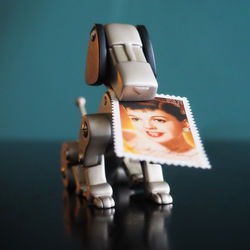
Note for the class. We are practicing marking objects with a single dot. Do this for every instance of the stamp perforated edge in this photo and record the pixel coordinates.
(118, 140)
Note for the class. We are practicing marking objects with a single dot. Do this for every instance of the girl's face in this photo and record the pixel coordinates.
(157, 125)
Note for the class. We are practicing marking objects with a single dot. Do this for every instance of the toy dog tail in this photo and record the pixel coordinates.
(80, 103)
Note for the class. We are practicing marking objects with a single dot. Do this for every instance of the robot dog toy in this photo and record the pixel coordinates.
(121, 57)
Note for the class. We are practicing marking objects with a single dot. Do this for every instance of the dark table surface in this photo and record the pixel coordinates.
(211, 208)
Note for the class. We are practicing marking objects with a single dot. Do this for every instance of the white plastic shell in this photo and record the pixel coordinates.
(132, 77)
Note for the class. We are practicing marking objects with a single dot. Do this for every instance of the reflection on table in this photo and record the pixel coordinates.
(134, 224)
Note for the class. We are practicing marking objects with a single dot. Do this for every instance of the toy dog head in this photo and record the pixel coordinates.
(121, 57)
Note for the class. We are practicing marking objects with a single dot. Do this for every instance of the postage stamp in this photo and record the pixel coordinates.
(161, 130)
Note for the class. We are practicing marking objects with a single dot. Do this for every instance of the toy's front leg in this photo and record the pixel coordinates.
(155, 186)
(95, 136)
(98, 191)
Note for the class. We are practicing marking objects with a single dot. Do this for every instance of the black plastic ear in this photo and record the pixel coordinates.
(147, 46)
(96, 64)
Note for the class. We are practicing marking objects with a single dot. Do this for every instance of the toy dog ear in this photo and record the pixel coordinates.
(96, 64)
(147, 46)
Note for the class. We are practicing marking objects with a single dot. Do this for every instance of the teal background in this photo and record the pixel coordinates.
(201, 50)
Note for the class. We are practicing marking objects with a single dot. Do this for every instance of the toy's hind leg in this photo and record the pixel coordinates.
(72, 171)
(95, 136)
(155, 186)
(134, 172)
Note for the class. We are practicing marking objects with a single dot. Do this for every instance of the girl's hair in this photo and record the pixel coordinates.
(157, 104)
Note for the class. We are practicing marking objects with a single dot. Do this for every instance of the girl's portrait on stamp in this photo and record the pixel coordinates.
(158, 128)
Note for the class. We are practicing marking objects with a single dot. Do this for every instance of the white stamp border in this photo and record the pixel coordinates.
(118, 139)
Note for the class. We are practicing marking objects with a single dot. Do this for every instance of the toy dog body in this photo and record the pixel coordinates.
(121, 57)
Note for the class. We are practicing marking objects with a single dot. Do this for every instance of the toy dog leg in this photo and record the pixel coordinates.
(155, 186)
(69, 163)
(98, 190)
(134, 172)
(95, 135)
